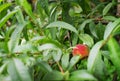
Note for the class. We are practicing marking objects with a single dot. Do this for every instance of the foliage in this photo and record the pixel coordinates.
(37, 38)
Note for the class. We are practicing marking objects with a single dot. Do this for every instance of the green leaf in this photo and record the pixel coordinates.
(4, 19)
(74, 39)
(92, 29)
(75, 9)
(14, 39)
(44, 66)
(85, 38)
(110, 27)
(114, 49)
(107, 8)
(44, 4)
(1, 1)
(4, 6)
(99, 68)
(43, 39)
(73, 61)
(27, 7)
(46, 46)
(57, 55)
(110, 18)
(3, 47)
(62, 25)
(93, 55)
(25, 48)
(18, 71)
(19, 15)
(82, 75)
(65, 61)
(100, 28)
(2, 68)
(54, 75)
(82, 26)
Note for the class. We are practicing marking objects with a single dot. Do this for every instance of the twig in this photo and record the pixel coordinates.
(61, 69)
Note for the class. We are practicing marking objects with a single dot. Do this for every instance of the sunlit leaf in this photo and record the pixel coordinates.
(65, 61)
(25, 48)
(18, 71)
(85, 38)
(73, 61)
(16, 36)
(19, 15)
(57, 55)
(110, 27)
(46, 46)
(82, 75)
(4, 6)
(62, 25)
(93, 56)
(27, 7)
(4, 19)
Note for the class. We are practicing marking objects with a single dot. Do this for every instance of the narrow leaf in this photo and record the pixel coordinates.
(54, 76)
(46, 46)
(4, 6)
(57, 55)
(85, 38)
(82, 26)
(110, 18)
(110, 27)
(27, 7)
(93, 55)
(114, 49)
(16, 36)
(92, 29)
(44, 66)
(107, 8)
(65, 61)
(82, 75)
(73, 61)
(4, 19)
(18, 71)
(62, 25)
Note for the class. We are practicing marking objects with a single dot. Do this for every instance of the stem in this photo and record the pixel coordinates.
(60, 67)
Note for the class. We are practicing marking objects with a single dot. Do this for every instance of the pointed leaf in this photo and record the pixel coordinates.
(18, 71)
(54, 76)
(4, 19)
(73, 61)
(93, 55)
(4, 6)
(62, 25)
(114, 49)
(65, 61)
(107, 8)
(85, 38)
(82, 26)
(14, 40)
(44, 66)
(82, 75)
(110, 27)
(47, 46)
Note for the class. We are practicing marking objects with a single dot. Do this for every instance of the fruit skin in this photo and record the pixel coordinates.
(81, 50)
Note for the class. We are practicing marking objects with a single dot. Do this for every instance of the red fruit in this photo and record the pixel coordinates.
(81, 50)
